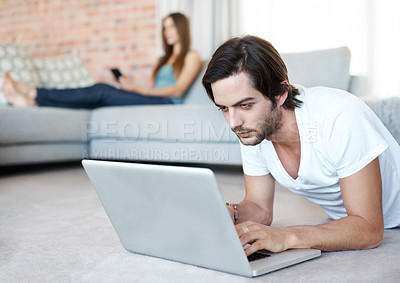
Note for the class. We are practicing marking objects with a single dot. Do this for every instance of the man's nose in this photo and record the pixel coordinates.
(235, 119)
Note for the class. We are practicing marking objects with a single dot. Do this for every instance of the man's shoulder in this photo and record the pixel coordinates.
(322, 94)
(327, 100)
(326, 108)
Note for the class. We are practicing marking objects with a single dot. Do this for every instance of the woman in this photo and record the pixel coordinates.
(172, 76)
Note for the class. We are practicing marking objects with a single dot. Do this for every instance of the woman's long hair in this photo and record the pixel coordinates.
(183, 27)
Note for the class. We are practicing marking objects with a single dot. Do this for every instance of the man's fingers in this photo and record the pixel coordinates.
(245, 227)
(253, 234)
(251, 237)
(256, 246)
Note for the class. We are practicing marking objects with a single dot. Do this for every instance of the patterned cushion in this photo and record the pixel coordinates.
(16, 60)
(67, 71)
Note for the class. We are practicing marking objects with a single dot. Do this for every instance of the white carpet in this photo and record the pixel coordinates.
(54, 229)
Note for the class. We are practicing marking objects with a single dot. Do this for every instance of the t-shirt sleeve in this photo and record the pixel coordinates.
(353, 140)
(252, 161)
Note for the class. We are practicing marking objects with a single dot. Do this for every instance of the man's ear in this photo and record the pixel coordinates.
(283, 96)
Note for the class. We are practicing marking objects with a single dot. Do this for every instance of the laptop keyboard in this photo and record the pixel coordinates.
(257, 255)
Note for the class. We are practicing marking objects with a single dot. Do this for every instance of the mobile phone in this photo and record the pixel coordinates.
(117, 74)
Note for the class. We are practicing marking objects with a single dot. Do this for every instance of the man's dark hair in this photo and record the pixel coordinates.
(258, 59)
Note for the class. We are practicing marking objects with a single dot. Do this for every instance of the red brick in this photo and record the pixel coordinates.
(104, 32)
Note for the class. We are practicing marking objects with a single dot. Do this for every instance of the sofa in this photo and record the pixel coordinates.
(193, 132)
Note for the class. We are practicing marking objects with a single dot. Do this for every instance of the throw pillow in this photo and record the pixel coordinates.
(66, 71)
(16, 60)
(329, 67)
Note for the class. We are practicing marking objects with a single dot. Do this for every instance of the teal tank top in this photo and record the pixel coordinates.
(165, 77)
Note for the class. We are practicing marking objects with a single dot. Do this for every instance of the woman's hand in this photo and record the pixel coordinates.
(126, 84)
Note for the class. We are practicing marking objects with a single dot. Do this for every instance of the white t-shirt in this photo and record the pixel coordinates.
(339, 136)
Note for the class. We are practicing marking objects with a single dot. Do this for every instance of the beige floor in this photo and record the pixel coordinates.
(53, 228)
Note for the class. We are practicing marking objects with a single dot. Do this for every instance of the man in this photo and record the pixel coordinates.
(320, 142)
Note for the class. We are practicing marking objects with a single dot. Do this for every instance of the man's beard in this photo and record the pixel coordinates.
(270, 126)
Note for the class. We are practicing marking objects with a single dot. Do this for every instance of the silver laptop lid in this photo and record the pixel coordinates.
(171, 212)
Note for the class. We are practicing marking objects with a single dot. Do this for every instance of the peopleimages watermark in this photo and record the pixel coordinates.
(184, 131)
(161, 154)
(188, 131)
(308, 132)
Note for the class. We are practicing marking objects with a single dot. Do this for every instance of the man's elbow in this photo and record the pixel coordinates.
(374, 238)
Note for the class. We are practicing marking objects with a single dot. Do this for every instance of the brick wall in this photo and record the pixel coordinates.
(105, 33)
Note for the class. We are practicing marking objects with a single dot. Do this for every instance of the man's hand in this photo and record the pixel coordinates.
(361, 229)
(261, 237)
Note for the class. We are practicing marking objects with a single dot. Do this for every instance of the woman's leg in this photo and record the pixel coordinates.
(115, 97)
(98, 95)
(86, 97)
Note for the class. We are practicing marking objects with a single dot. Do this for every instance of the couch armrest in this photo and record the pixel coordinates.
(387, 109)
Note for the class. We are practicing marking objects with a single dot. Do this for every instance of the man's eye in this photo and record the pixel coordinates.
(223, 109)
(245, 106)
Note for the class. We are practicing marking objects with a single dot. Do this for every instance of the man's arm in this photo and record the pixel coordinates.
(259, 199)
(361, 229)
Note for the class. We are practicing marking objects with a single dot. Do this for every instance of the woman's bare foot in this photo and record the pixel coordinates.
(17, 93)
(24, 88)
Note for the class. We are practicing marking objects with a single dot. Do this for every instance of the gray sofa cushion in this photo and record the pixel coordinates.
(171, 123)
(196, 94)
(34, 153)
(42, 124)
(328, 68)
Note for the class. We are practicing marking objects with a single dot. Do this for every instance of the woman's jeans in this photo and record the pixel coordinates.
(98, 95)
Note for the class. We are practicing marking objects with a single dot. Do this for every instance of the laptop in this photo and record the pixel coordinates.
(177, 213)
